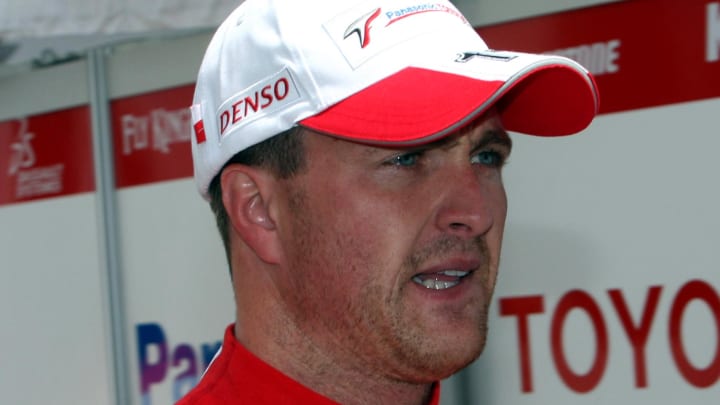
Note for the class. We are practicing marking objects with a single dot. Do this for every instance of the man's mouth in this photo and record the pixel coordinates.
(441, 280)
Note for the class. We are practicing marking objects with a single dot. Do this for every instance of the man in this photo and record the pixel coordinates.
(352, 152)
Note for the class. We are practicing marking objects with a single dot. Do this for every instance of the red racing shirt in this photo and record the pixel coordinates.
(237, 376)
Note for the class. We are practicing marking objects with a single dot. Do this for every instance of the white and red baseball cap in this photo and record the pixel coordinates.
(386, 72)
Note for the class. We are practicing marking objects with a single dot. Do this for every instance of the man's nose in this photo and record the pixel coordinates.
(473, 201)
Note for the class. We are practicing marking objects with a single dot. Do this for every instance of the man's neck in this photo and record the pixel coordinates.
(300, 358)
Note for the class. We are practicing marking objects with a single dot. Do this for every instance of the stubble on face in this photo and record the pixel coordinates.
(420, 347)
(365, 322)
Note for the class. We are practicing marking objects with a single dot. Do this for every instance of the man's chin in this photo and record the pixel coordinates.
(440, 364)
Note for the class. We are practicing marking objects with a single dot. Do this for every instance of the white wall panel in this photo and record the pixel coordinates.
(53, 331)
(630, 204)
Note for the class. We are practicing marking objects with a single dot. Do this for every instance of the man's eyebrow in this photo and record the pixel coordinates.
(491, 136)
(495, 136)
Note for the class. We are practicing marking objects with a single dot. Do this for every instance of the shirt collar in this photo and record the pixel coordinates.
(237, 369)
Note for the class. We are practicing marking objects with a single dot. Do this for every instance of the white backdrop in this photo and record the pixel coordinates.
(54, 343)
(628, 205)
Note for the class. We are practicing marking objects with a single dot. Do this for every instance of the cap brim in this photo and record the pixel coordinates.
(551, 98)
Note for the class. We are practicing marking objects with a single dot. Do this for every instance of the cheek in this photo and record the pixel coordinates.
(339, 245)
(374, 241)
(343, 271)
(369, 222)
(500, 211)
(495, 236)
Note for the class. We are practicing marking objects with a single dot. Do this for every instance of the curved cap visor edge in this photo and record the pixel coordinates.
(418, 105)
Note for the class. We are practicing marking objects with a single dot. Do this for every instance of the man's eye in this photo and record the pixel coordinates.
(406, 159)
(488, 158)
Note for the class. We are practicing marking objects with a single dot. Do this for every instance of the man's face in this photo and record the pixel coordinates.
(391, 255)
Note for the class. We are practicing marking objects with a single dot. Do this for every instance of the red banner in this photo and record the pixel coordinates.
(643, 53)
(151, 135)
(46, 155)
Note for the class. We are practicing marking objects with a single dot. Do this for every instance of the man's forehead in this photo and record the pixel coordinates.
(484, 130)
(488, 129)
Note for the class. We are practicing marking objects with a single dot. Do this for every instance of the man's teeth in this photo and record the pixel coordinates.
(433, 282)
(438, 284)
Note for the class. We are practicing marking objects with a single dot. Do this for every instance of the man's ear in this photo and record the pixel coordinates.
(247, 193)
